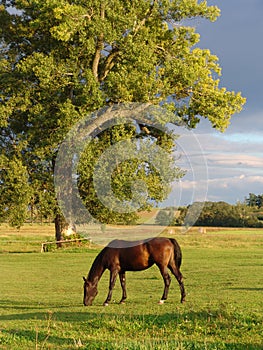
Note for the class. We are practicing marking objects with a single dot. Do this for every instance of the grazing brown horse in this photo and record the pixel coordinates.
(120, 256)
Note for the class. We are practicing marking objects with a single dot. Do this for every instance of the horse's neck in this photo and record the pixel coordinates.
(96, 270)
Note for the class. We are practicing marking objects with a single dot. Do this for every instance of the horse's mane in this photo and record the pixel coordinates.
(97, 267)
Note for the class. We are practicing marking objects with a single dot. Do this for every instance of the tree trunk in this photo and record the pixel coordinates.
(58, 229)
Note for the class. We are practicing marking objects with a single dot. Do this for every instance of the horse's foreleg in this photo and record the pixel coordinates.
(176, 272)
(123, 286)
(167, 281)
(113, 276)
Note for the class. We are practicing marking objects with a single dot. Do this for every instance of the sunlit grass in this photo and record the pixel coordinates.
(41, 299)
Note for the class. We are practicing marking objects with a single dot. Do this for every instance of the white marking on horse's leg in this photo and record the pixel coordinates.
(161, 302)
(105, 304)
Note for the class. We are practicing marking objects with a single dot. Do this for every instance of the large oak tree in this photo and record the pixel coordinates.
(61, 60)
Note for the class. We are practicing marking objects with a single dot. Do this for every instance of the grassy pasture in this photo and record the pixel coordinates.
(41, 296)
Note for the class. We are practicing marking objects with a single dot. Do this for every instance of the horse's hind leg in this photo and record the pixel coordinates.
(123, 286)
(176, 272)
(167, 281)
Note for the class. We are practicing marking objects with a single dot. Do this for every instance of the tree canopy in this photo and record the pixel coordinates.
(61, 60)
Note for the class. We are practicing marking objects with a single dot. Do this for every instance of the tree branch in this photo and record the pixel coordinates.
(142, 22)
(109, 63)
(99, 47)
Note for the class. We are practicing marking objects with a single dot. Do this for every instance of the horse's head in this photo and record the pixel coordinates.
(90, 292)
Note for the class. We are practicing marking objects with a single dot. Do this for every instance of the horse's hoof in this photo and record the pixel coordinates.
(160, 302)
(105, 304)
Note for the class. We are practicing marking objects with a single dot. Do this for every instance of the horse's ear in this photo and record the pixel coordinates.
(84, 279)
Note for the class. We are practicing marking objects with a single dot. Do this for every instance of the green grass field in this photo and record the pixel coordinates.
(41, 296)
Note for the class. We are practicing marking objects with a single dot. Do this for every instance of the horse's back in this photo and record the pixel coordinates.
(129, 255)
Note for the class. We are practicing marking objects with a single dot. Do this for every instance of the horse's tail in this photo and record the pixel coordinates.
(177, 253)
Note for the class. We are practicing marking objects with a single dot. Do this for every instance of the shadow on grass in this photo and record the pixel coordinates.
(210, 323)
(83, 312)
(15, 336)
(91, 314)
(17, 305)
(247, 289)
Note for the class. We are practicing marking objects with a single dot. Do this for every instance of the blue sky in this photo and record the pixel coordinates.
(234, 159)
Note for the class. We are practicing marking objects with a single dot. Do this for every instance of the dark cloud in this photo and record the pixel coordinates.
(236, 39)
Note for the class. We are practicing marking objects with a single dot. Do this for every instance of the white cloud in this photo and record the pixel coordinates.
(255, 179)
(229, 189)
(235, 188)
(235, 160)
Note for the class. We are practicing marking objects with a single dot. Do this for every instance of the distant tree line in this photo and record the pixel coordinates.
(220, 214)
